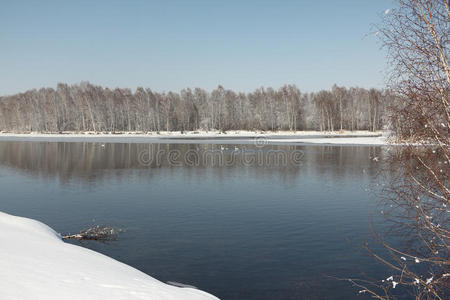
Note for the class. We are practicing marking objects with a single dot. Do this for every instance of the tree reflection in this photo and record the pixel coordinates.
(81, 161)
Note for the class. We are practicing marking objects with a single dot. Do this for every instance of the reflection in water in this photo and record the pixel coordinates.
(81, 161)
(239, 230)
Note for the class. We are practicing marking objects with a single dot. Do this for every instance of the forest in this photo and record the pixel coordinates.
(87, 107)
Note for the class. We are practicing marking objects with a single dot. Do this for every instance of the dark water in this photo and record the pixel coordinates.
(276, 227)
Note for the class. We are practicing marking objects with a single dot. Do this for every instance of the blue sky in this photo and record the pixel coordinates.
(170, 45)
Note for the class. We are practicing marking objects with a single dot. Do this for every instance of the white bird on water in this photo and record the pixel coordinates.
(236, 148)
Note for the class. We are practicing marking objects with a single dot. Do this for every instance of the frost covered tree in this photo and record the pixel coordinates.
(87, 107)
(417, 199)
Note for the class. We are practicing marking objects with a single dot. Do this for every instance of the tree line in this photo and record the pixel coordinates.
(88, 107)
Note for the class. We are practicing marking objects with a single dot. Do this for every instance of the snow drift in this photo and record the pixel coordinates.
(36, 264)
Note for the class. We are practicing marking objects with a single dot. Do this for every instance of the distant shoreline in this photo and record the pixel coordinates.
(210, 137)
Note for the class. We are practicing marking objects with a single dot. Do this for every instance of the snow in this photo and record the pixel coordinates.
(212, 137)
(369, 141)
(36, 264)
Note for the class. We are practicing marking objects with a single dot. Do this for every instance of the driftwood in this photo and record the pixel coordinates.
(96, 233)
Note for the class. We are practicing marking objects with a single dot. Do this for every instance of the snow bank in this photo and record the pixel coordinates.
(374, 140)
(211, 137)
(199, 134)
(36, 264)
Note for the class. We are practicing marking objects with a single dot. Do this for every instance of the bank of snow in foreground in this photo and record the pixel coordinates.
(36, 264)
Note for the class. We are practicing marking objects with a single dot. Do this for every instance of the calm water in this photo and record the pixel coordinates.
(232, 226)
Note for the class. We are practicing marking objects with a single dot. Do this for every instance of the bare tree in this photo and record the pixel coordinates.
(86, 107)
(418, 196)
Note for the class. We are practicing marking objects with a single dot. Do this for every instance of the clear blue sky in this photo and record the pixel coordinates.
(170, 45)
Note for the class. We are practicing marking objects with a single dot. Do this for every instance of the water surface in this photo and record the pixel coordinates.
(237, 228)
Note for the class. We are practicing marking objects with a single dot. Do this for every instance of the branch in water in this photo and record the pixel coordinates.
(96, 233)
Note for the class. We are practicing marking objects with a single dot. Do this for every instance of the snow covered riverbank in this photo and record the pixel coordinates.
(231, 137)
(36, 264)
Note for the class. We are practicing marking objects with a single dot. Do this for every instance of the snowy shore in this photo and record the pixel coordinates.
(212, 137)
(36, 264)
